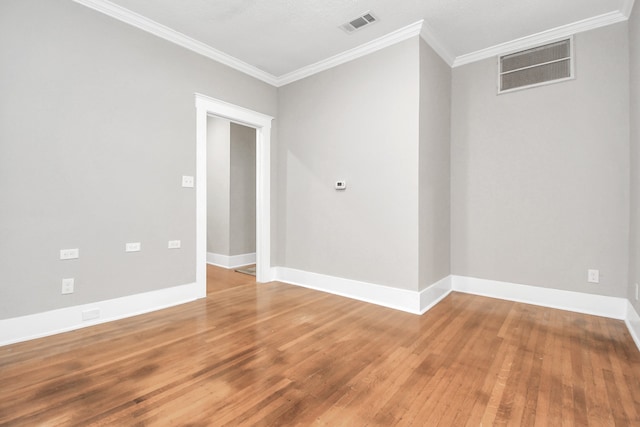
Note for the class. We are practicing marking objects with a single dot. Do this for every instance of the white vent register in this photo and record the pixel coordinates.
(541, 65)
(359, 22)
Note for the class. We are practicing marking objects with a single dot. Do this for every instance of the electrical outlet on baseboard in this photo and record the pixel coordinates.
(93, 313)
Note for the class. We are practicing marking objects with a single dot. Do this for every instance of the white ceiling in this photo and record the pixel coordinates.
(279, 37)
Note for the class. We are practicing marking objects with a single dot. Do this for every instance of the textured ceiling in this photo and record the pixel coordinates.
(281, 36)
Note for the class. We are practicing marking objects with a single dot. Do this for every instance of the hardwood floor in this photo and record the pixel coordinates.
(275, 354)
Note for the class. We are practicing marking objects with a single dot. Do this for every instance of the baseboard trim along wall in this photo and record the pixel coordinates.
(233, 261)
(421, 302)
(433, 294)
(53, 322)
(400, 299)
(39, 325)
(633, 324)
(597, 305)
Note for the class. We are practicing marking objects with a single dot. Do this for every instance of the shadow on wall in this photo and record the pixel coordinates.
(231, 193)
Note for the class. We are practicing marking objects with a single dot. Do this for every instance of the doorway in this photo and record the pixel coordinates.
(231, 194)
(206, 106)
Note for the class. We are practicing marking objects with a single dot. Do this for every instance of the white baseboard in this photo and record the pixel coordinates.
(52, 322)
(579, 302)
(386, 296)
(421, 302)
(233, 261)
(39, 325)
(633, 324)
(435, 293)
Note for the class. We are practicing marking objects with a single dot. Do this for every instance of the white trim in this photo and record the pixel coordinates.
(380, 43)
(233, 261)
(262, 123)
(164, 32)
(541, 38)
(435, 293)
(597, 305)
(47, 323)
(400, 299)
(633, 323)
(132, 18)
(429, 36)
(125, 15)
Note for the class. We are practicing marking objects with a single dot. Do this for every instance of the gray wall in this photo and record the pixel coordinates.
(356, 122)
(231, 188)
(634, 49)
(242, 203)
(97, 126)
(218, 185)
(434, 167)
(540, 177)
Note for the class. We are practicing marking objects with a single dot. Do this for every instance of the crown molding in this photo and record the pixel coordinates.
(429, 36)
(146, 24)
(541, 38)
(127, 16)
(418, 28)
(627, 7)
(351, 54)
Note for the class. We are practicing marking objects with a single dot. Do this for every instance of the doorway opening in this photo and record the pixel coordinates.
(205, 107)
(231, 195)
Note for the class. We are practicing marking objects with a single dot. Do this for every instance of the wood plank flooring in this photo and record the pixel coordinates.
(275, 354)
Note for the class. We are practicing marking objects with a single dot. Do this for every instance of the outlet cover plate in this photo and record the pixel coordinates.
(188, 181)
(132, 247)
(341, 185)
(67, 286)
(91, 314)
(69, 253)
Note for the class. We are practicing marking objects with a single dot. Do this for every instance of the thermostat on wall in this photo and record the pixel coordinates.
(341, 185)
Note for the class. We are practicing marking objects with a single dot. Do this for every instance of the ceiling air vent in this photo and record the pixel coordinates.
(550, 63)
(359, 22)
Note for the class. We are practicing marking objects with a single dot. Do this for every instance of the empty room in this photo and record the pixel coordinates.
(440, 218)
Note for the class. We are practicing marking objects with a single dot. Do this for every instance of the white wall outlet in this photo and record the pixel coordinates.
(341, 185)
(132, 247)
(636, 292)
(67, 286)
(593, 276)
(91, 314)
(188, 181)
(174, 244)
(69, 253)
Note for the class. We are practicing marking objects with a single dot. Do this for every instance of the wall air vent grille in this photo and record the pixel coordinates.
(359, 22)
(550, 63)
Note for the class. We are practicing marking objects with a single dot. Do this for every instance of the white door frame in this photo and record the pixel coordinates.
(206, 106)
